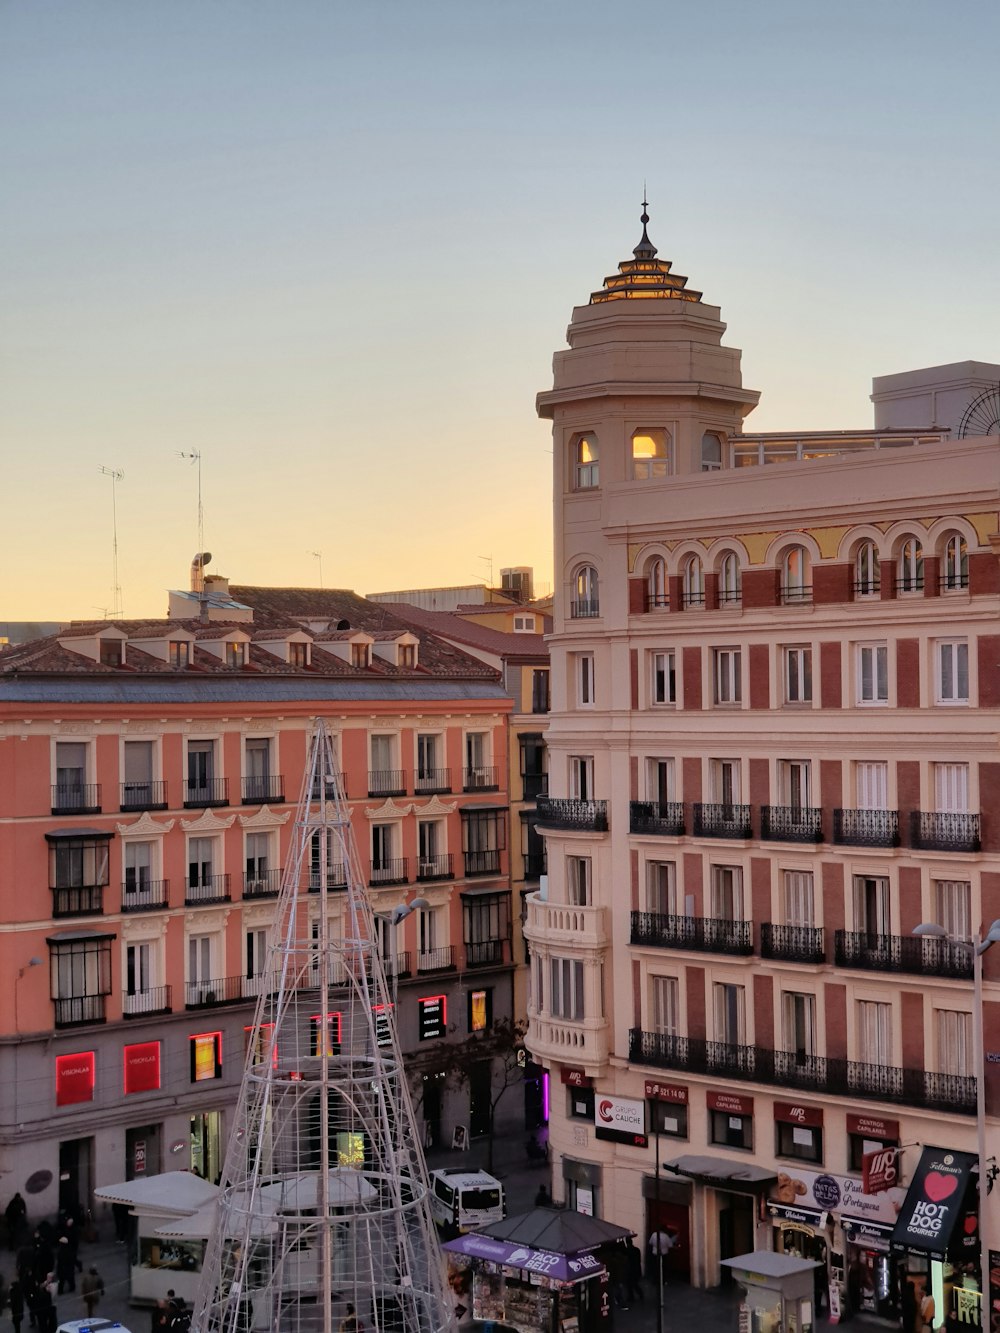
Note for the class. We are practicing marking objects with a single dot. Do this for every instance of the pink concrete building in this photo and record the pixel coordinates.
(772, 754)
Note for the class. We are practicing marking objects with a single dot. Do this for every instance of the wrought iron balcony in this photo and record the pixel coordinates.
(436, 960)
(482, 863)
(76, 798)
(487, 953)
(260, 790)
(205, 795)
(866, 828)
(262, 884)
(906, 582)
(944, 831)
(435, 867)
(867, 587)
(206, 889)
(432, 780)
(703, 934)
(336, 783)
(215, 991)
(663, 817)
(656, 601)
(929, 954)
(154, 1000)
(145, 895)
(534, 785)
(791, 823)
(795, 594)
(667, 1051)
(399, 965)
(79, 900)
(389, 870)
(692, 597)
(336, 877)
(586, 608)
(76, 1010)
(792, 944)
(722, 821)
(798, 1069)
(953, 580)
(386, 782)
(484, 777)
(563, 813)
(143, 796)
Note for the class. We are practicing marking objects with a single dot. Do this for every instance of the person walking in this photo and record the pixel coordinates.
(543, 1199)
(634, 1256)
(65, 1266)
(15, 1298)
(350, 1322)
(16, 1215)
(92, 1289)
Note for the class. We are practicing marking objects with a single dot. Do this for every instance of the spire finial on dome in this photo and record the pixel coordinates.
(645, 249)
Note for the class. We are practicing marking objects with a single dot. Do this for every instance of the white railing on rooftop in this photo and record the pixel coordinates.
(754, 450)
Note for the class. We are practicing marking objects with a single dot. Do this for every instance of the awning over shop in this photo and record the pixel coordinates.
(870, 1235)
(933, 1202)
(720, 1171)
(563, 1267)
(172, 1193)
(558, 1244)
(810, 1217)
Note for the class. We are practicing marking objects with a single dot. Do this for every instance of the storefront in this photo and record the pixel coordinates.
(725, 1203)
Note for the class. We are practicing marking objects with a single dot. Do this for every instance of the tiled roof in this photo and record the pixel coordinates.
(501, 643)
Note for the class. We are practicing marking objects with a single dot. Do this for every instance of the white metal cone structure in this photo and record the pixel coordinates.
(324, 1210)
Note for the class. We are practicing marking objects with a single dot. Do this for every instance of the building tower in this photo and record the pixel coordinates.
(325, 1208)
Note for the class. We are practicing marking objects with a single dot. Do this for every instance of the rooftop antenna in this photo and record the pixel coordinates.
(116, 474)
(318, 555)
(488, 559)
(194, 456)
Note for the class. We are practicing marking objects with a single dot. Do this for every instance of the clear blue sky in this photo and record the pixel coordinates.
(333, 246)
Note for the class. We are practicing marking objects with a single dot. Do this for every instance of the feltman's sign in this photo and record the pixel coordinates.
(933, 1202)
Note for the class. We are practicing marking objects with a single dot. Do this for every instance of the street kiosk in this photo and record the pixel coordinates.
(779, 1292)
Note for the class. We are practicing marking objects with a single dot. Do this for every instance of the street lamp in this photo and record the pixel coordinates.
(978, 947)
(399, 913)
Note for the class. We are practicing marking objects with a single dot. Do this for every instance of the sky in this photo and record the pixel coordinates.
(331, 247)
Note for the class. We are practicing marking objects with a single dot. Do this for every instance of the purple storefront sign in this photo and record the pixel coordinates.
(562, 1267)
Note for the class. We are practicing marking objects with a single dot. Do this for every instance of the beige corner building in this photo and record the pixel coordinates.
(774, 750)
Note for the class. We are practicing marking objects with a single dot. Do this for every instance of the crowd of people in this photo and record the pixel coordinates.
(47, 1265)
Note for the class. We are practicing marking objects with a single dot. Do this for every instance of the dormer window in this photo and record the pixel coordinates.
(236, 656)
(524, 624)
(361, 654)
(112, 652)
(407, 655)
(179, 651)
(298, 655)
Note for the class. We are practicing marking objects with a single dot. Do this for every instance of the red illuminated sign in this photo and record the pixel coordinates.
(206, 1056)
(142, 1067)
(75, 1078)
(433, 1011)
(730, 1102)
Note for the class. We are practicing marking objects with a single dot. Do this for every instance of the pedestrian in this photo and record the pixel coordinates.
(634, 1257)
(661, 1242)
(618, 1267)
(16, 1214)
(120, 1213)
(15, 1298)
(350, 1322)
(65, 1266)
(543, 1199)
(92, 1289)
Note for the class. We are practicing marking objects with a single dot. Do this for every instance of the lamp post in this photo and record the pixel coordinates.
(979, 947)
(399, 913)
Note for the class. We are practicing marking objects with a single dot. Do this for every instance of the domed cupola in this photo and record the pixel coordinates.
(645, 277)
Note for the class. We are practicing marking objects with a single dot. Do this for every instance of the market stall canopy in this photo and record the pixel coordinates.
(202, 1224)
(172, 1193)
(716, 1170)
(557, 1244)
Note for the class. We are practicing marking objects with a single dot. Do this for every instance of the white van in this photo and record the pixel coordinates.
(466, 1199)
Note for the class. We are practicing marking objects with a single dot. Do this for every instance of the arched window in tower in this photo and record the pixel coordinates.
(657, 588)
(910, 574)
(711, 452)
(955, 565)
(795, 585)
(867, 572)
(586, 602)
(586, 455)
(730, 580)
(650, 454)
(693, 582)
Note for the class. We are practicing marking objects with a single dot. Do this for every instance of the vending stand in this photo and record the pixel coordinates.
(779, 1292)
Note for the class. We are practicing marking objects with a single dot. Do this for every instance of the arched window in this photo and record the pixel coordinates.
(867, 574)
(657, 589)
(693, 582)
(795, 585)
(650, 454)
(587, 459)
(711, 452)
(955, 565)
(730, 580)
(586, 594)
(910, 574)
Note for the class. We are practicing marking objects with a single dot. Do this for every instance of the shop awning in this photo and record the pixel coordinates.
(172, 1193)
(869, 1235)
(720, 1171)
(810, 1217)
(78, 834)
(559, 1243)
(933, 1202)
(563, 1267)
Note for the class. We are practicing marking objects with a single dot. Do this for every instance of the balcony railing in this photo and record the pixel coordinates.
(656, 601)
(562, 812)
(487, 953)
(435, 867)
(391, 870)
(336, 877)
(143, 796)
(791, 823)
(215, 991)
(692, 597)
(534, 785)
(928, 954)
(664, 817)
(483, 862)
(795, 1069)
(386, 782)
(722, 821)
(75, 1010)
(155, 1000)
(484, 777)
(867, 587)
(400, 965)
(260, 790)
(944, 831)
(204, 795)
(534, 865)
(82, 900)
(206, 889)
(145, 895)
(76, 798)
(866, 828)
(432, 780)
(953, 581)
(792, 944)
(700, 933)
(585, 608)
(262, 884)
(436, 960)
(335, 783)
(794, 594)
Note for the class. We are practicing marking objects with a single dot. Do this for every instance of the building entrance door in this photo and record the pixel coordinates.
(206, 1145)
(76, 1176)
(735, 1227)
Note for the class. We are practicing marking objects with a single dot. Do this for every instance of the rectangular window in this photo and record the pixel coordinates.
(799, 908)
(727, 893)
(858, 1145)
(481, 1009)
(487, 923)
(139, 978)
(661, 888)
(798, 1021)
(873, 673)
(871, 782)
(578, 880)
(484, 837)
(200, 769)
(566, 978)
(137, 774)
(731, 1131)
(951, 788)
(660, 780)
(668, 1118)
(730, 1013)
(871, 904)
(798, 676)
(726, 781)
(953, 672)
(664, 1000)
(953, 907)
(81, 978)
(581, 777)
(580, 1104)
(585, 665)
(804, 1142)
(793, 782)
(954, 1042)
(257, 857)
(540, 690)
(138, 866)
(728, 675)
(874, 1033)
(534, 778)
(298, 655)
(201, 855)
(664, 677)
(179, 654)
(236, 655)
(256, 952)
